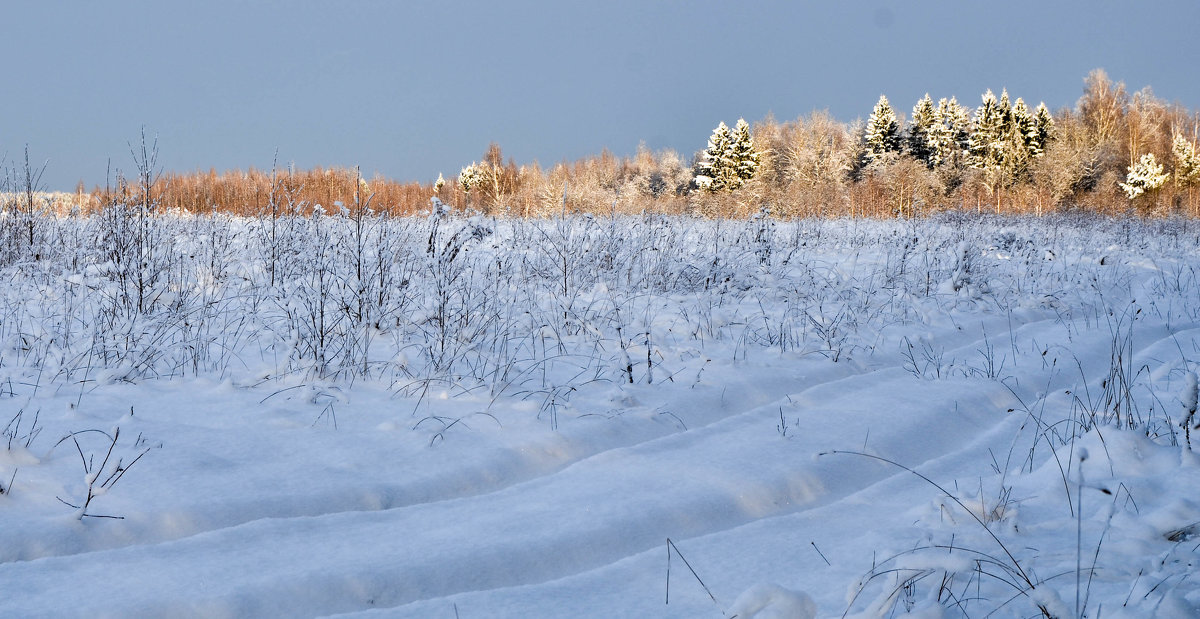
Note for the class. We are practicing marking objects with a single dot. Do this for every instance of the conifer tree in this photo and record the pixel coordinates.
(949, 135)
(940, 138)
(1024, 128)
(958, 117)
(1004, 106)
(730, 159)
(1022, 144)
(745, 158)
(1043, 124)
(986, 143)
(989, 144)
(1187, 162)
(710, 174)
(920, 129)
(1144, 176)
(882, 134)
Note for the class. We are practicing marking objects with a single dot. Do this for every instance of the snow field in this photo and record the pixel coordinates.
(470, 417)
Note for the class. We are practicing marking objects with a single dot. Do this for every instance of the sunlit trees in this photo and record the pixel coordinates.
(1144, 176)
(1187, 163)
(730, 159)
(881, 138)
(1004, 153)
(988, 142)
(924, 132)
(745, 157)
(949, 137)
(492, 181)
(1043, 124)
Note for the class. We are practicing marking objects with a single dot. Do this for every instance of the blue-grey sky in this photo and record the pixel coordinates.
(409, 89)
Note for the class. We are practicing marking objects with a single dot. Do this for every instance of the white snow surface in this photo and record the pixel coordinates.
(533, 418)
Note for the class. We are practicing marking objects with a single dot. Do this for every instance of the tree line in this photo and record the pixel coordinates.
(1113, 152)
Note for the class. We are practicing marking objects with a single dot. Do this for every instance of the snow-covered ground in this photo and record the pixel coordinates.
(636, 417)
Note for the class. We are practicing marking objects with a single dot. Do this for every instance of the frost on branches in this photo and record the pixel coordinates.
(1145, 175)
(730, 159)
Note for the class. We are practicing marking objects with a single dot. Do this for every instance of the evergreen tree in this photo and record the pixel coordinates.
(1144, 176)
(949, 135)
(940, 138)
(986, 143)
(1022, 144)
(1187, 162)
(745, 158)
(959, 119)
(1043, 124)
(1004, 106)
(920, 129)
(712, 171)
(730, 159)
(882, 134)
(1024, 127)
(472, 177)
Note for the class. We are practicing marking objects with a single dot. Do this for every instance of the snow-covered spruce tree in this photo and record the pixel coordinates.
(882, 134)
(1187, 163)
(989, 142)
(472, 177)
(1144, 176)
(730, 159)
(1004, 106)
(1022, 141)
(1043, 124)
(745, 157)
(986, 141)
(712, 162)
(958, 117)
(474, 181)
(949, 136)
(921, 131)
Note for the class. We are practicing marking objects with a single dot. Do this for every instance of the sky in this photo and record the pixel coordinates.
(411, 89)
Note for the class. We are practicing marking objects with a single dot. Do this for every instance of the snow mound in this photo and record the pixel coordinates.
(771, 601)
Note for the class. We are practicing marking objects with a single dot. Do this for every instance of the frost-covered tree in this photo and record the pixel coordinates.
(949, 137)
(882, 134)
(730, 159)
(473, 177)
(745, 157)
(986, 144)
(958, 117)
(920, 129)
(1043, 124)
(939, 140)
(1004, 106)
(715, 167)
(1024, 127)
(1144, 176)
(1187, 163)
(1022, 146)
